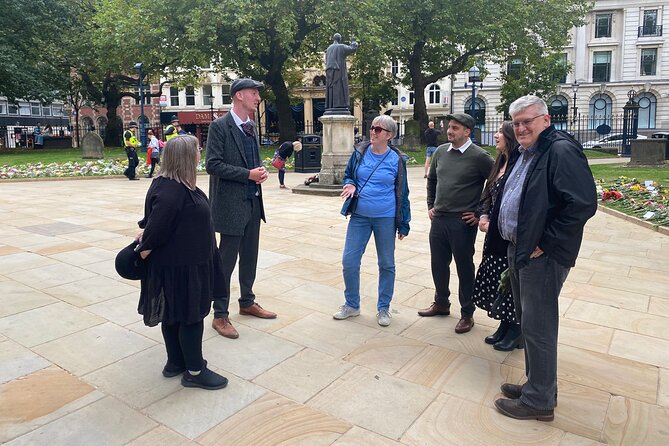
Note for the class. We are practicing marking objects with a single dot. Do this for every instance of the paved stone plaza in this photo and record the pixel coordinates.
(78, 367)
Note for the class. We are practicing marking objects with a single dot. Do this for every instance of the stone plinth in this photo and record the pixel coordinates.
(647, 152)
(91, 146)
(337, 148)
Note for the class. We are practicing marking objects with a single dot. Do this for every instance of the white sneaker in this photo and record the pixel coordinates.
(383, 317)
(345, 312)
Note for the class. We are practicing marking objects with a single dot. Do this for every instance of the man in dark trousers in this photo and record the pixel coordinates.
(454, 184)
(233, 161)
(131, 144)
(431, 135)
(547, 199)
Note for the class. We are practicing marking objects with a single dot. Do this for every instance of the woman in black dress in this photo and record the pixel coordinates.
(183, 263)
(498, 305)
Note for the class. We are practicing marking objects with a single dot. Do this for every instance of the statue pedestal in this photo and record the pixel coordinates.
(337, 148)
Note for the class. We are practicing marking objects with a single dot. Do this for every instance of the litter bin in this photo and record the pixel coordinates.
(663, 135)
(308, 160)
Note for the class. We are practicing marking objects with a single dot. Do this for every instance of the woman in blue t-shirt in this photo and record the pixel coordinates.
(377, 199)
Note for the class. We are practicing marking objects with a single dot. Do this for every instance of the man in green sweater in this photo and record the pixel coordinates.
(454, 184)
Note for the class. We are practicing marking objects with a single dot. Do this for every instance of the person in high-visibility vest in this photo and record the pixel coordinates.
(173, 129)
(131, 143)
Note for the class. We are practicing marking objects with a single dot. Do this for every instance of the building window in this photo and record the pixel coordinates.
(174, 96)
(190, 95)
(513, 67)
(647, 107)
(395, 67)
(102, 126)
(601, 108)
(412, 98)
(207, 96)
(435, 94)
(3, 107)
(147, 99)
(558, 108)
(649, 22)
(46, 110)
(12, 109)
(648, 61)
(57, 109)
(395, 100)
(479, 110)
(564, 63)
(603, 25)
(225, 94)
(601, 66)
(24, 109)
(35, 109)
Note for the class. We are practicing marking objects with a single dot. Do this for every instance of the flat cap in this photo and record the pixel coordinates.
(241, 84)
(463, 119)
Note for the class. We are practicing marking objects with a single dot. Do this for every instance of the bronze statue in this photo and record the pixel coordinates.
(336, 77)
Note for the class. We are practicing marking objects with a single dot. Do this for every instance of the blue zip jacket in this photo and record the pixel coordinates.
(402, 205)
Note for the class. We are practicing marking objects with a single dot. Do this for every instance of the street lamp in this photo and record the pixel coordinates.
(474, 77)
(142, 130)
(211, 105)
(574, 109)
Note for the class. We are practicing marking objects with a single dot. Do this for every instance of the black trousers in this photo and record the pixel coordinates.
(133, 162)
(154, 161)
(245, 248)
(183, 343)
(451, 237)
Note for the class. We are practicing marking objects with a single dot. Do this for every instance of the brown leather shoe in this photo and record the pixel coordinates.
(257, 311)
(435, 310)
(464, 325)
(223, 327)
(521, 411)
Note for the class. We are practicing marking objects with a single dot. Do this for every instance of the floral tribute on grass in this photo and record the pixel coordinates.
(648, 200)
(107, 167)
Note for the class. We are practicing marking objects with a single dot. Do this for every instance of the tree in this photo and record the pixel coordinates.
(29, 33)
(269, 39)
(439, 38)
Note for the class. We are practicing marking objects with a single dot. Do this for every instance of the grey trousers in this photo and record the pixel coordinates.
(536, 288)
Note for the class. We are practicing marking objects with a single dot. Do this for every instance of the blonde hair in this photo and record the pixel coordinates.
(179, 160)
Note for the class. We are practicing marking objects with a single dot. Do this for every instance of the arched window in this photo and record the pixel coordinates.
(102, 126)
(647, 106)
(601, 109)
(558, 108)
(434, 94)
(479, 107)
(87, 124)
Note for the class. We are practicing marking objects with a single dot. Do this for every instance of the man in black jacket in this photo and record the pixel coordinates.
(548, 197)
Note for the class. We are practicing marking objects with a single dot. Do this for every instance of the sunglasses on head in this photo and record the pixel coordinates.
(376, 129)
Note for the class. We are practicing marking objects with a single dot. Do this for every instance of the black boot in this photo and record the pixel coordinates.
(512, 339)
(499, 334)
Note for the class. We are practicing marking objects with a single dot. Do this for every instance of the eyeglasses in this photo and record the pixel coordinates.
(377, 130)
(525, 123)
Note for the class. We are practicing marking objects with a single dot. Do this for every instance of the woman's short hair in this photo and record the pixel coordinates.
(387, 123)
(527, 101)
(179, 160)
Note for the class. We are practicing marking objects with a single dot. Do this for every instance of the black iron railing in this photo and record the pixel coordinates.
(650, 31)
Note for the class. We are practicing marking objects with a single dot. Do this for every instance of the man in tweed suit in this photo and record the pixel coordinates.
(236, 174)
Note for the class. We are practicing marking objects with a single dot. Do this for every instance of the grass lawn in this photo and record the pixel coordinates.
(612, 171)
(47, 156)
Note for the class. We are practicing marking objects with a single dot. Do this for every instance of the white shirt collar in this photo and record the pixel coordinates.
(463, 147)
(238, 120)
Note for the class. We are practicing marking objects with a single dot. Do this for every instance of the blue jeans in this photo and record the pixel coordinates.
(357, 236)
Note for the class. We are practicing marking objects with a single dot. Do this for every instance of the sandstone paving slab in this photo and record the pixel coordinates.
(191, 412)
(304, 375)
(27, 240)
(581, 410)
(84, 256)
(120, 310)
(454, 422)
(17, 361)
(22, 261)
(645, 349)
(402, 316)
(54, 321)
(93, 348)
(273, 419)
(287, 314)
(358, 436)
(250, 355)
(585, 335)
(97, 423)
(322, 333)
(89, 291)
(386, 353)
(56, 228)
(375, 401)
(50, 275)
(316, 296)
(7, 250)
(162, 436)
(16, 297)
(659, 306)
(570, 439)
(91, 235)
(40, 398)
(663, 391)
(631, 422)
(606, 296)
(136, 380)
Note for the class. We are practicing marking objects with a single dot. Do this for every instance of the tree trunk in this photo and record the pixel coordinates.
(114, 130)
(287, 130)
(418, 85)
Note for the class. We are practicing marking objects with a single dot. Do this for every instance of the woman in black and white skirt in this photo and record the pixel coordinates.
(498, 305)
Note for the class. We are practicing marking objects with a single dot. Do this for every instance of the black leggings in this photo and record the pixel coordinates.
(183, 343)
(153, 165)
